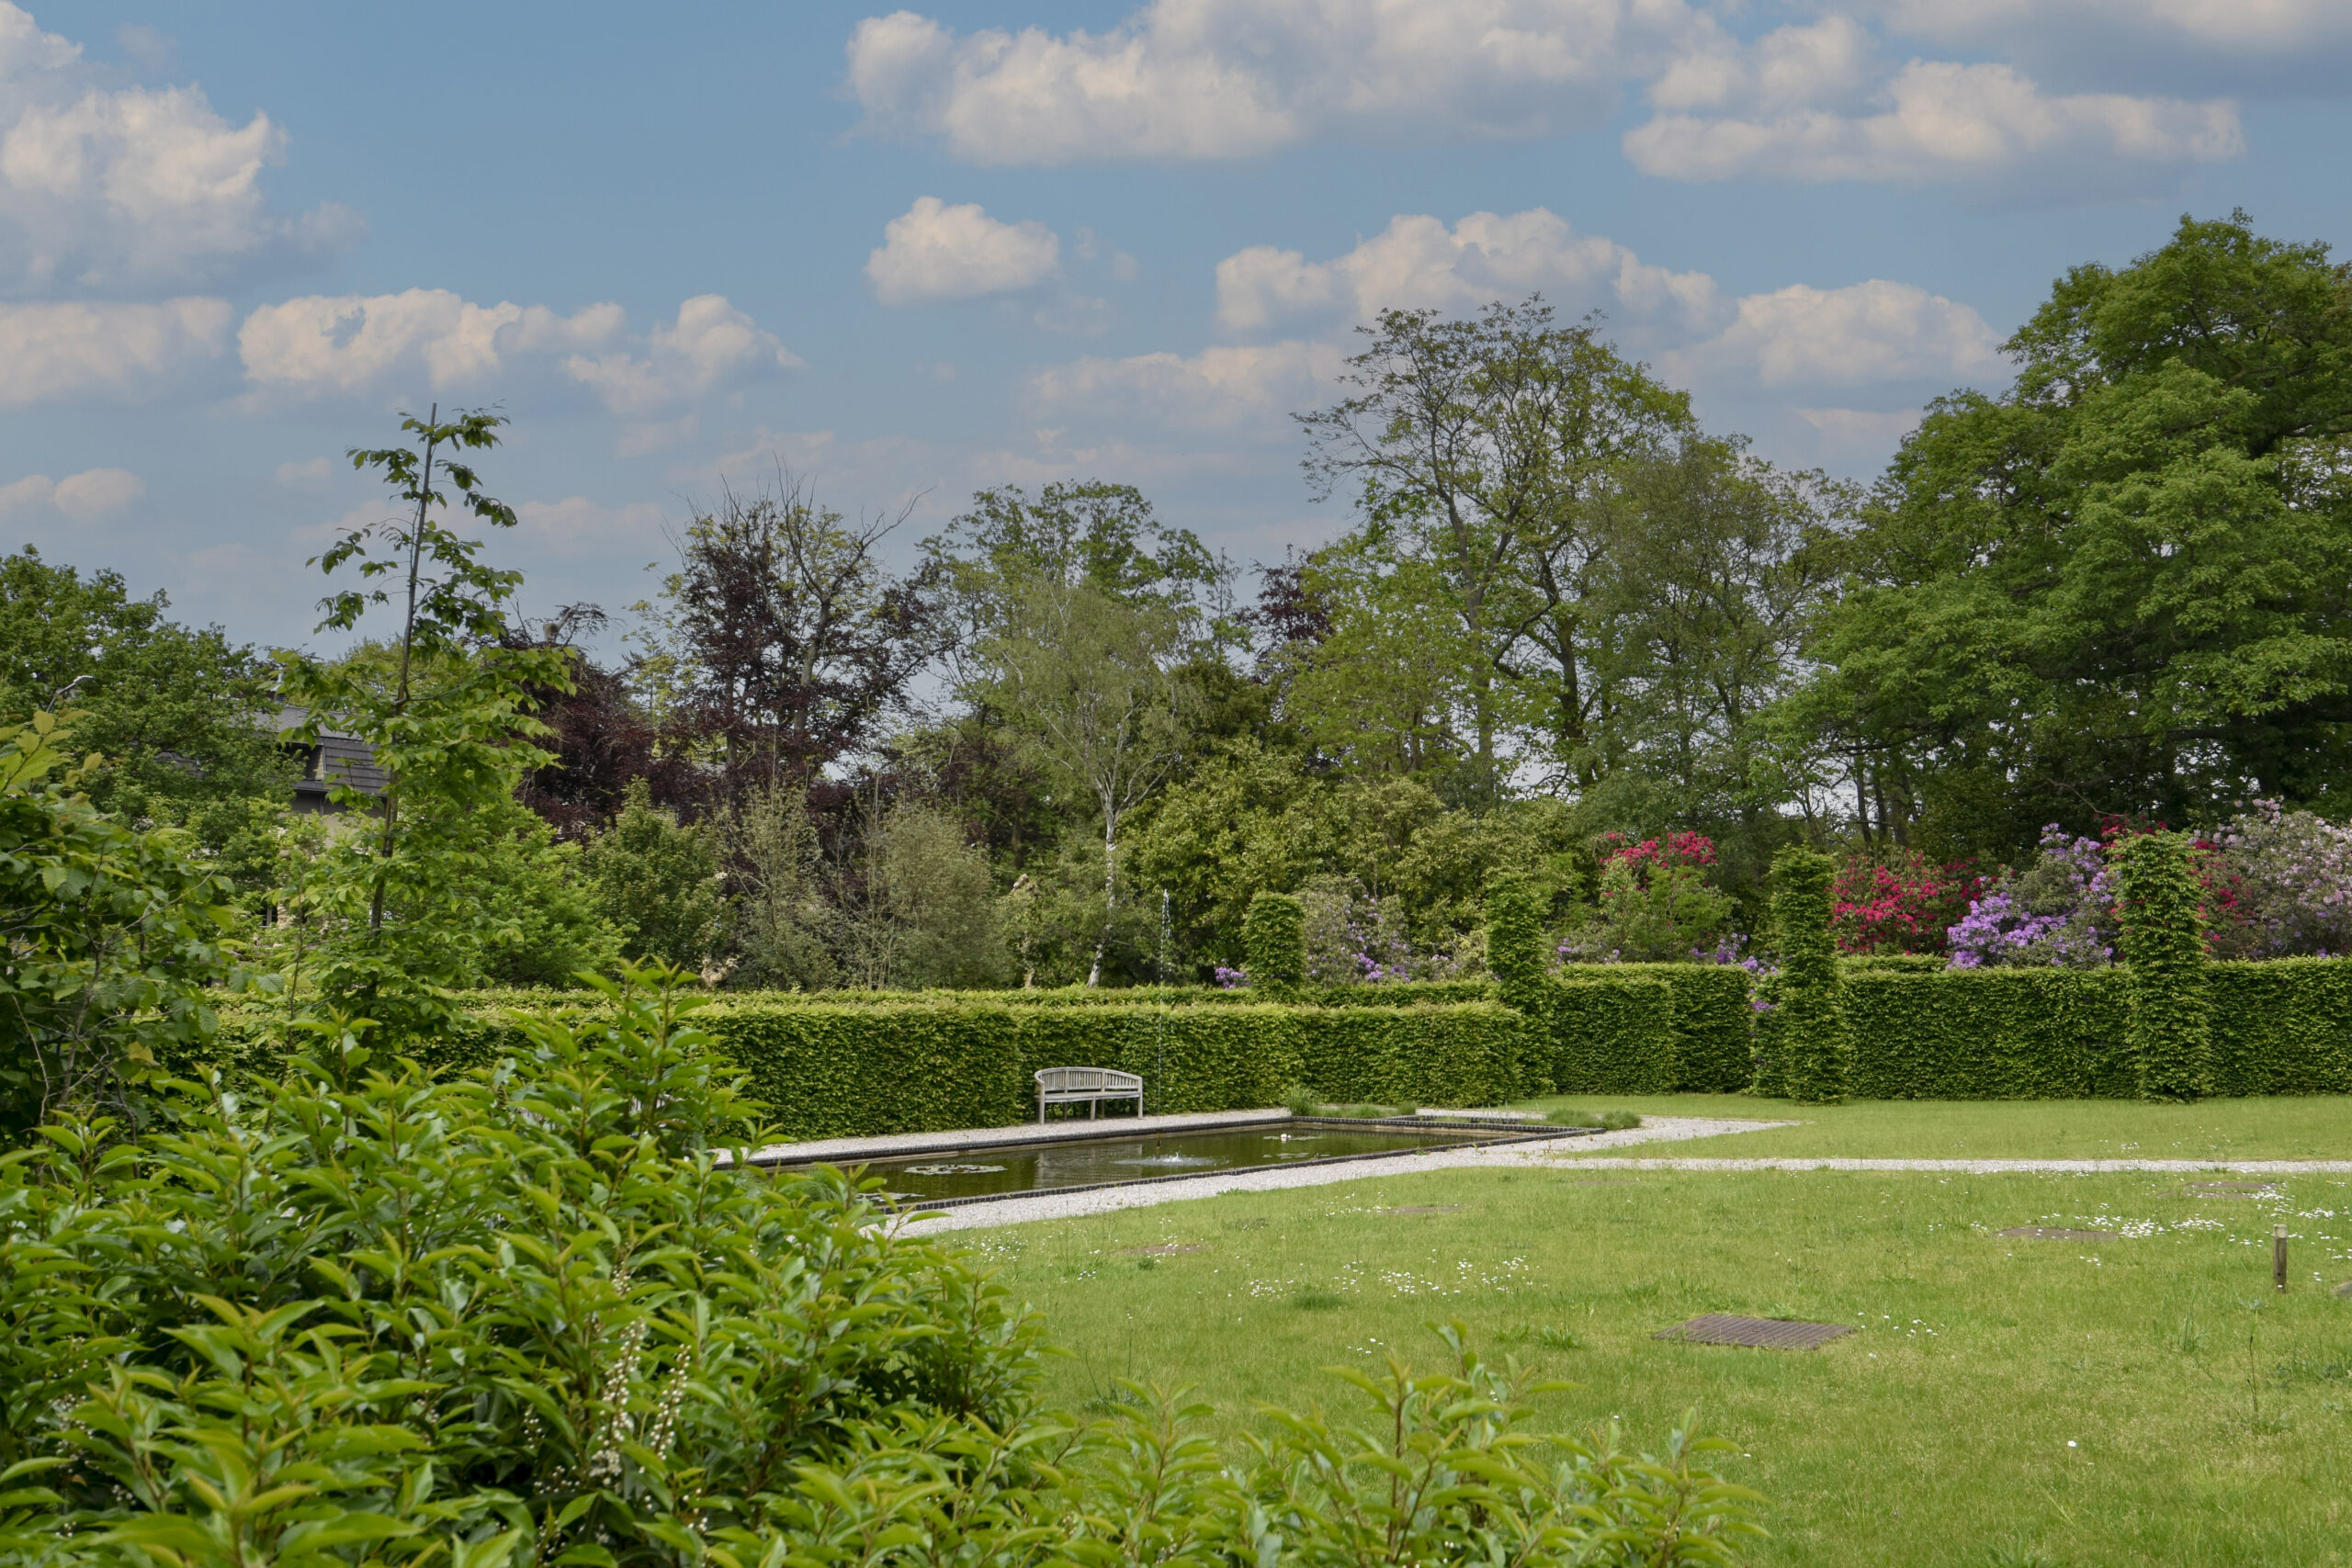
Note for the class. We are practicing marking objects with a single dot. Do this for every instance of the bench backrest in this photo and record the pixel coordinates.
(1066, 1081)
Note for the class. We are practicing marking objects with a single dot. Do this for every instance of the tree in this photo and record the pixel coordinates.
(1708, 569)
(657, 881)
(1090, 680)
(110, 939)
(1081, 615)
(2124, 585)
(599, 736)
(185, 719)
(780, 641)
(780, 923)
(1479, 448)
(392, 898)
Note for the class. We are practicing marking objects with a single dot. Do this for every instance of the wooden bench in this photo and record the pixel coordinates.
(1068, 1086)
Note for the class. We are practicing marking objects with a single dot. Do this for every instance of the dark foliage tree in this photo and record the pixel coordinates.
(599, 736)
(784, 643)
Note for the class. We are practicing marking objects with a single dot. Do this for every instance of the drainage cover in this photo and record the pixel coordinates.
(2051, 1233)
(1762, 1332)
(2233, 1190)
(1165, 1250)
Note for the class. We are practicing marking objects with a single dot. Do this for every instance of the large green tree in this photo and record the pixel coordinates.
(2125, 584)
(1479, 449)
(184, 718)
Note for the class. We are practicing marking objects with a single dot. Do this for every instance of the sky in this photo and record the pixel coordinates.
(905, 254)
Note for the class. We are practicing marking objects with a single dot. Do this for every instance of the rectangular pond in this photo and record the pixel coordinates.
(947, 1176)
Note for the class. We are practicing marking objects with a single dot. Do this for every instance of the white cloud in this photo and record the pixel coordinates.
(108, 187)
(323, 344)
(1251, 389)
(1418, 263)
(1875, 332)
(1235, 78)
(1939, 121)
(576, 523)
(85, 497)
(2194, 45)
(1864, 333)
(934, 251)
(710, 346)
(312, 475)
(1867, 429)
(74, 349)
(348, 342)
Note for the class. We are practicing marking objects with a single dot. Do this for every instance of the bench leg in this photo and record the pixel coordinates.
(1041, 1106)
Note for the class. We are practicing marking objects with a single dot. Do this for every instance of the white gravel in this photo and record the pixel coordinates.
(1104, 1200)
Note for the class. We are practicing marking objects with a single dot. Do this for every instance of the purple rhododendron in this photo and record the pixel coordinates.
(2058, 912)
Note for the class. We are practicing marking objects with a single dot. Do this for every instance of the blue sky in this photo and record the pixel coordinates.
(911, 254)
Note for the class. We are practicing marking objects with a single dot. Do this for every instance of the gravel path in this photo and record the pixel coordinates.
(1102, 1200)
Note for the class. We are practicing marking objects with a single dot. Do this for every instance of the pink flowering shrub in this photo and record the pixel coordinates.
(2281, 886)
(1898, 902)
(1654, 904)
(2059, 912)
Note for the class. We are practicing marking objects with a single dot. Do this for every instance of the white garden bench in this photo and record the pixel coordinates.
(1068, 1086)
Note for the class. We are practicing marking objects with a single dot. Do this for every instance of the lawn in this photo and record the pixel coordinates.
(2149, 1399)
(2279, 1127)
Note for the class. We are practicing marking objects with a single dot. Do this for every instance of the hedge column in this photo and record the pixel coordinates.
(2169, 1014)
(1273, 944)
(1812, 1031)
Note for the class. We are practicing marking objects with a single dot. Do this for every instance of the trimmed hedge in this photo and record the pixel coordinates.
(1814, 1051)
(827, 1070)
(1713, 1023)
(1473, 1054)
(2281, 1026)
(1610, 1037)
(2163, 943)
(1989, 1035)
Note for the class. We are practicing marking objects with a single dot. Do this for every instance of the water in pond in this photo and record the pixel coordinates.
(1026, 1167)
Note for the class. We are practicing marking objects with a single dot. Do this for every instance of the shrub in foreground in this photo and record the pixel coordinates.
(538, 1315)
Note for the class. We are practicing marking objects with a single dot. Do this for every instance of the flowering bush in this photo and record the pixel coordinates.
(2282, 886)
(2059, 912)
(1353, 938)
(1655, 903)
(1898, 902)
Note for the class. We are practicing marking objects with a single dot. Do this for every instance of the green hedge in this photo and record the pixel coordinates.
(830, 1070)
(1713, 1023)
(1610, 1036)
(1989, 1035)
(1383, 994)
(2283, 1026)
(1459, 1056)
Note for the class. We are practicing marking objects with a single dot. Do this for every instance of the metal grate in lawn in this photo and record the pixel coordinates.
(1761, 1333)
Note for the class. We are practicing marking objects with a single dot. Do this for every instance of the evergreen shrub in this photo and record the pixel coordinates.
(1273, 944)
(1813, 1047)
(2163, 940)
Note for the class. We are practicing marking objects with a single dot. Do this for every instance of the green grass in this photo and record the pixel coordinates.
(2211, 1416)
(2281, 1127)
